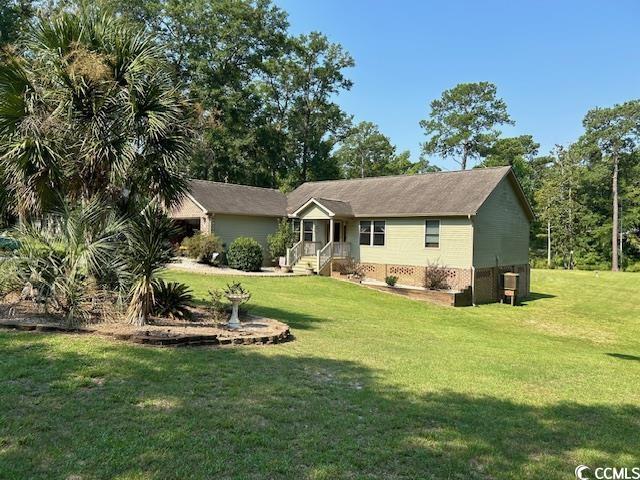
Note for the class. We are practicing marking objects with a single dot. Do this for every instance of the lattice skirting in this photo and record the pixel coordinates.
(457, 278)
(486, 286)
(488, 280)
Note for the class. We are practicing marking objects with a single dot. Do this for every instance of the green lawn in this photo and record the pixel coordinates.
(374, 386)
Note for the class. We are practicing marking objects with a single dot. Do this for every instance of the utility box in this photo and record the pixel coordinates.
(511, 281)
(510, 285)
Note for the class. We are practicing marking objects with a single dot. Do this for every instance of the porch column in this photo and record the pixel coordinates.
(331, 229)
(206, 223)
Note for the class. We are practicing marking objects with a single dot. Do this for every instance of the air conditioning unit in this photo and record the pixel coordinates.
(511, 281)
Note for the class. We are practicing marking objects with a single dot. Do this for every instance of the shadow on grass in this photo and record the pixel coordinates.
(534, 296)
(103, 409)
(624, 356)
(296, 320)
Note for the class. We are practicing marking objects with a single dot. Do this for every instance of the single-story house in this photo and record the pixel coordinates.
(475, 223)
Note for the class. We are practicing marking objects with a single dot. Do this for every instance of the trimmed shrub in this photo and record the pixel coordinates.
(391, 280)
(172, 300)
(202, 247)
(245, 254)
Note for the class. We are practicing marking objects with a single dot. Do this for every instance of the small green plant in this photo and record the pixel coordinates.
(236, 289)
(245, 254)
(391, 280)
(283, 238)
(172, 300)
(217, 304)
(202, 247)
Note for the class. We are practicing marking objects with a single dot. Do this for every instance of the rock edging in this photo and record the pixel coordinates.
(160, 339)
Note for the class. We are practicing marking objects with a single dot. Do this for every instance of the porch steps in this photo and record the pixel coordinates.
(301, 265)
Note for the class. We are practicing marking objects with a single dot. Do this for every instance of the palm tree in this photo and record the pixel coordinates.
(64, 259)
(148, 250)
(5, 207)
(90, 107)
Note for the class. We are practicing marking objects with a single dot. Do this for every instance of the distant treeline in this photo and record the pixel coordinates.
(264, 110)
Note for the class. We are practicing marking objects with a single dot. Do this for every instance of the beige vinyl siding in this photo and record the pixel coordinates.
(501, 229)
(404, 243)
(187, 209)
(313, 212)
(230, 227)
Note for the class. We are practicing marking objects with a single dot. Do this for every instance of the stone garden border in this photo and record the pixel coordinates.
(161, 339)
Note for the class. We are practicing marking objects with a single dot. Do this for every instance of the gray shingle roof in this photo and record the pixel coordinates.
(229, 198)
(439, 193)
(339, 208)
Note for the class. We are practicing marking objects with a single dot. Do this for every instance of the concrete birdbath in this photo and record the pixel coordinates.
(237, 295)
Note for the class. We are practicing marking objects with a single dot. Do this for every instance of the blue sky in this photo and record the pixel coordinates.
(552, 61)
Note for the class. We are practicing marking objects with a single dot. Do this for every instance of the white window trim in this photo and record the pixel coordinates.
(370, 244)
(313, 230)
(425, 233)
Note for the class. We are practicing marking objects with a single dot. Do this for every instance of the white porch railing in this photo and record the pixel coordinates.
(324, 256)
(294, 254)
(311, 248)
(341, 249)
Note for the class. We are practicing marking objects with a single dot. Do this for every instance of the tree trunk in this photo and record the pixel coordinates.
(549, 243)
(304, 162)
(465, 155)
(614, 229)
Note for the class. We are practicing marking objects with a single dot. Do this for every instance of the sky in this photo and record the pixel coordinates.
(551, 61)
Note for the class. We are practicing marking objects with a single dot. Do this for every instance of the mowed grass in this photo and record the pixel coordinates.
(374, 386)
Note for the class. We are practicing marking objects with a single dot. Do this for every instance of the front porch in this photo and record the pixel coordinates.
(322, 236)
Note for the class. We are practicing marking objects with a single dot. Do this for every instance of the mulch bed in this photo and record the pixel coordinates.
(162, 332)
(441, 297)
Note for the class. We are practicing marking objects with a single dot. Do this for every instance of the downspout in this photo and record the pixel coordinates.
(473, 264)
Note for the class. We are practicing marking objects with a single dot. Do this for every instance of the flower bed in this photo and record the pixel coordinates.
(451, 298)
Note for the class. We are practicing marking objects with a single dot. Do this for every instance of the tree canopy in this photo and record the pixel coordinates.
(462, 122)
(126, 99)
(521, 154)
(89, 108)
(366, 152)
(615, 132)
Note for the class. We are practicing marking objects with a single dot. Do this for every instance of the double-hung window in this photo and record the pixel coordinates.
(296, 229)
(372, 232)
(432, 233)
(308, 231)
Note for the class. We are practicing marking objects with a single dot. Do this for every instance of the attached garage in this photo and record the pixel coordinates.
(230, 211)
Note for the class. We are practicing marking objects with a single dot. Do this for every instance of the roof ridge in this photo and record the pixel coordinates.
(235, 185)
(441, 172)
(330, 199)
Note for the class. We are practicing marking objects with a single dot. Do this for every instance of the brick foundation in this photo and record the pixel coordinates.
(487, 282)
(413, 275)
